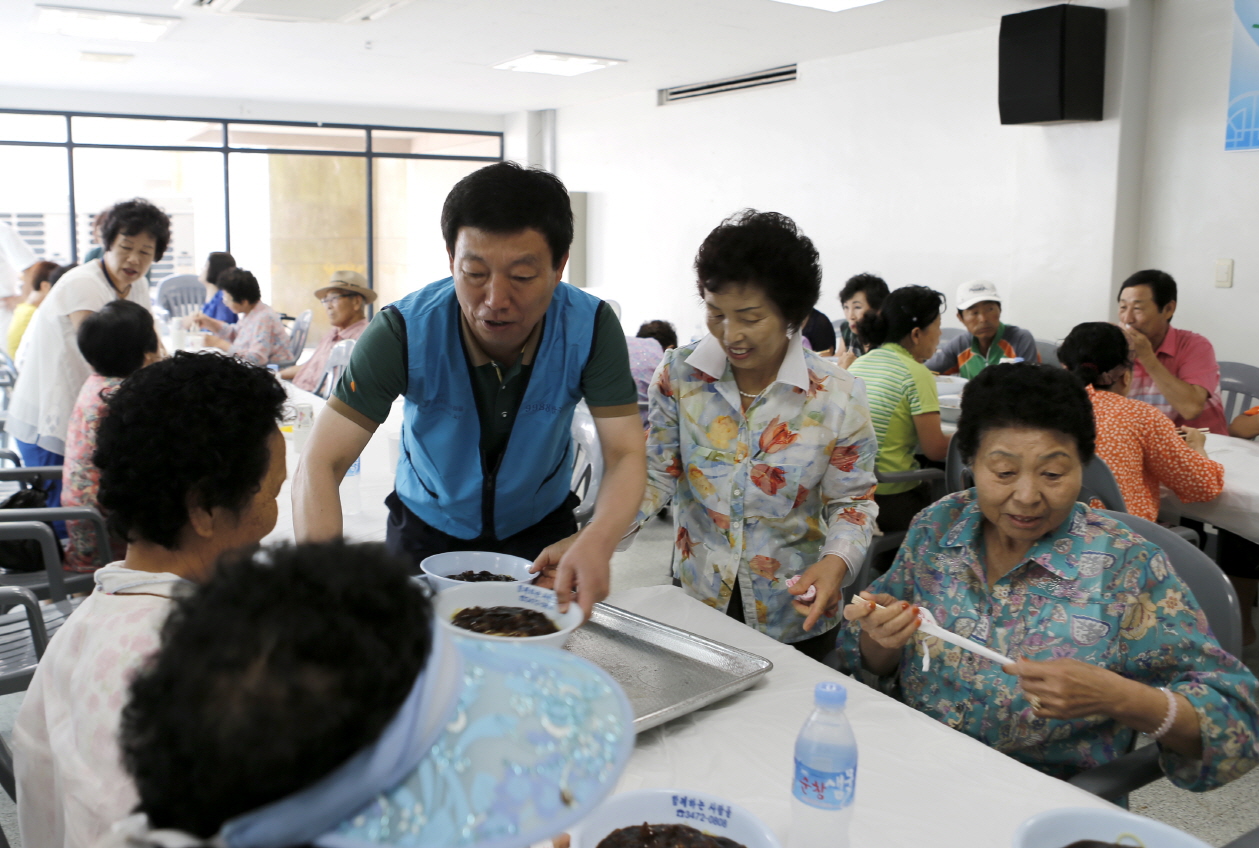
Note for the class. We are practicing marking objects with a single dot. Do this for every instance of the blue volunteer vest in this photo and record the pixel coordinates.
(441, 475)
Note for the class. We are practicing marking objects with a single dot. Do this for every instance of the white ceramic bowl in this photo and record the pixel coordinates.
(464, 595)
(439, 567)
(717, 817)
(1059, 828)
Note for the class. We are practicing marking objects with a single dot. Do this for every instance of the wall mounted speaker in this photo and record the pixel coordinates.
(1052, 65)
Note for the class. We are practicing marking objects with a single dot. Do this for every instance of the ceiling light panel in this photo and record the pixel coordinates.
(559, 64)
(96, 24)
(830, 5)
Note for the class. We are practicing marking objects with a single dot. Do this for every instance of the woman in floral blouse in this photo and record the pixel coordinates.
(765, 448)
(116, 341)
(259, 337)
(1107, 640)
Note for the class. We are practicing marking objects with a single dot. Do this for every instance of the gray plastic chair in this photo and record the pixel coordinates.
(1214, 594)
(180, 294)
(1239, 388)
(587, 463)
(338, 358)
(297, 338)
(1099, 482)
(947, 333)
(1048, 352)
(957, 476)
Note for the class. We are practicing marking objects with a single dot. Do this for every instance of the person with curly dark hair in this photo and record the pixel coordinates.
(765, 448)
(259, 337)
(135, 235)
(662, 331)
(1106, 641)
(491, 362)
(862, 293)
(191, 461)
(307, 692)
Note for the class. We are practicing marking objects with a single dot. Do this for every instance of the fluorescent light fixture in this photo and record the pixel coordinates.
(96, 24)
(115, 58)
(830, 5)
(560, 64)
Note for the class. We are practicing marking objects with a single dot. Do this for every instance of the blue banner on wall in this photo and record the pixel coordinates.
(1243, 90)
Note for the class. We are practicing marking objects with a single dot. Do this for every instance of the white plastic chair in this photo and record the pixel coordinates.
(180, 294)
(587, 463)
(338, 358)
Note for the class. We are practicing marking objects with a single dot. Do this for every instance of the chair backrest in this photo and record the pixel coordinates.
(1048, 352)
(956, 475)
(1239, 388)
(1099, 482)
(297, 335)
(1210, 586)
(587, 463)
(180, 294)
(338, 358)
(947, 333)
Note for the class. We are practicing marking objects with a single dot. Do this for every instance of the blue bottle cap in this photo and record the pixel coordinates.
(831, 695)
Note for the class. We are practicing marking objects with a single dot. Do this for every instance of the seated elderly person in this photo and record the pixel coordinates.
(117, 341)
(259, 337)
(215, 264)
(169, 492)
(1108, 641)
(345, 298)
(306, 696)
(862, 293)
(986, 341)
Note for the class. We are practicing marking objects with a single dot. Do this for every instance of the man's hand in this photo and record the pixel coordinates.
(827, 575)
(577, 564)
(1138, 343)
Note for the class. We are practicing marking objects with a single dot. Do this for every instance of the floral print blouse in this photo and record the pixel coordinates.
(259, 337)
(80, 478)
(1092, 590)
(764, 495)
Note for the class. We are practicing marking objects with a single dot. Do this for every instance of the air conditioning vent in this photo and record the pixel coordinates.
(303, 11)
(774, 76)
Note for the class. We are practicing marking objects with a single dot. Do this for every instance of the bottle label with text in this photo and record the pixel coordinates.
(823, 789)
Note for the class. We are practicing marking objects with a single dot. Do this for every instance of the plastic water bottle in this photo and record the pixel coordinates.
(350, 501)
(825, 774)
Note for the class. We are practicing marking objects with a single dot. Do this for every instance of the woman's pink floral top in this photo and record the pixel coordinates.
(80, 479)
(1092, 590)
(764, 495)
(259, 337)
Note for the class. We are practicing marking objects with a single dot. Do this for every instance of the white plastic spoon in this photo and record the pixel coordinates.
(927, 624)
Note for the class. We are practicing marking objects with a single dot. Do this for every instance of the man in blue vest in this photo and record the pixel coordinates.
(491, 362)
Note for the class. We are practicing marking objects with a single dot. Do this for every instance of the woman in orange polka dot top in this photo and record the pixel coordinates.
(1138, 442)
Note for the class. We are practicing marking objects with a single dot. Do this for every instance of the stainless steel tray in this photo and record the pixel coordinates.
(666, 672)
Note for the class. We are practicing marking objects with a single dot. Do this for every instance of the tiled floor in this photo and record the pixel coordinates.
(1215, 817)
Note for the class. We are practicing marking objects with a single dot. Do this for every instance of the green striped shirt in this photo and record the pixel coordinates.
(898, 387)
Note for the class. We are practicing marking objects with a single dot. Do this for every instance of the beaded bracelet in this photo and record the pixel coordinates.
(1171, 715)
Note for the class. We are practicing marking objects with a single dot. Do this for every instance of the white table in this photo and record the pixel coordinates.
(919, 783)
(1237, 507)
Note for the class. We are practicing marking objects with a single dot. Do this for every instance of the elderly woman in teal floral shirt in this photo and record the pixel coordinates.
(1107, 641)
(766, 449)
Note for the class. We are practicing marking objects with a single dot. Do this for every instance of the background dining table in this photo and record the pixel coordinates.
(1237, 507)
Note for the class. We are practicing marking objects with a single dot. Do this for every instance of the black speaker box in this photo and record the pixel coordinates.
(1052, 65)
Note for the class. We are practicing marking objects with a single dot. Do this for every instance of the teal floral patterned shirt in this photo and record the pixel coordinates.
(1092, 590)
(762, 495)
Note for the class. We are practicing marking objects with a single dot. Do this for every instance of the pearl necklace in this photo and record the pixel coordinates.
(746, 395)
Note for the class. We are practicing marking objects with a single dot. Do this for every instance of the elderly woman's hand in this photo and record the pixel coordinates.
(827, 576)
(891, 627)
(1066, 688)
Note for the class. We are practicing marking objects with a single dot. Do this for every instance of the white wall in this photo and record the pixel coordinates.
(892, 160)
(1200, 202)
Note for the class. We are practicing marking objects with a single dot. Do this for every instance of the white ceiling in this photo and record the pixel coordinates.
(436, 54)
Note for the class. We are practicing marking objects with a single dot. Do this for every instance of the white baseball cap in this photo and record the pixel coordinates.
(976, 291)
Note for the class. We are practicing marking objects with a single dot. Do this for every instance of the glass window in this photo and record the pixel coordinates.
(14, 127)
(280, 137)
(409, 194)
(435, 143)
(295, 220)
(146, 133)
(187, 185)
(36, 200)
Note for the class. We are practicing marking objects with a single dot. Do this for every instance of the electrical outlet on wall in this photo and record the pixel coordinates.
(1223, 273)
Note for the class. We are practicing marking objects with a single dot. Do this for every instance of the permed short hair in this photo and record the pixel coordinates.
(278, 670)
(505, 198)
(906, 309)
(216, 263)
(115, 340)
(132, 217)
(765, 250)
(240, 284)
(1024, 395)
(873, 287)
(1161, 284)
(661, 331)
(197, 424)
(1092, 349)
